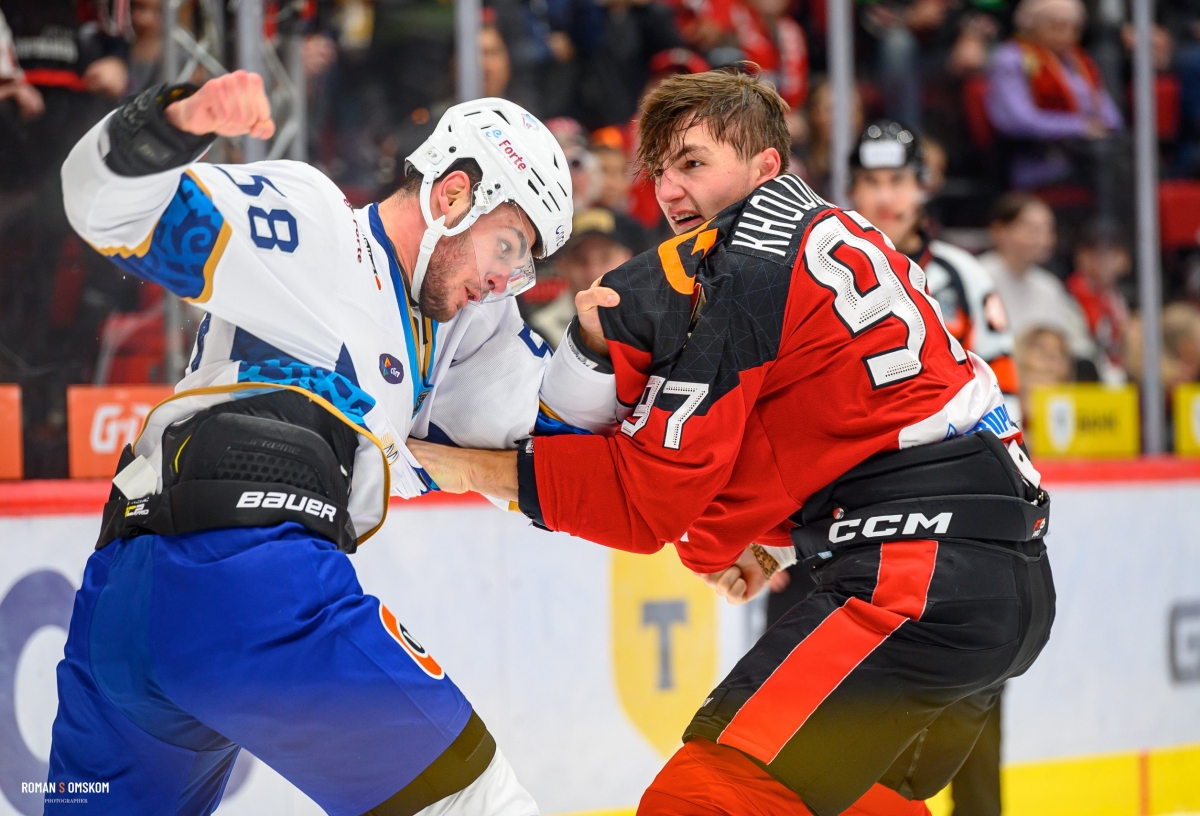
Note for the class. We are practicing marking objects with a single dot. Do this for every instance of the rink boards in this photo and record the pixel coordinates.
(586, 663)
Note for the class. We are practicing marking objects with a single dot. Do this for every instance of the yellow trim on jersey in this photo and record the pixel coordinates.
(138, 251)
(203, 188)
(426, 348)
(422, 333)
(550, 412)
(214, 257)
(319, 400)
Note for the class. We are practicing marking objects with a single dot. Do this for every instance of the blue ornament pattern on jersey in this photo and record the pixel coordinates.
(333, 387)
(183, 242)
(262, 362)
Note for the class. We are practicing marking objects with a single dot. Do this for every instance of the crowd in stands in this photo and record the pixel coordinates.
(1022, 107)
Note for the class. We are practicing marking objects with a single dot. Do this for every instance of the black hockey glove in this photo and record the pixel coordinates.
(142, 141)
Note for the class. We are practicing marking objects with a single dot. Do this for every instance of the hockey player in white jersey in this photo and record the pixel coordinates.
(220, 609)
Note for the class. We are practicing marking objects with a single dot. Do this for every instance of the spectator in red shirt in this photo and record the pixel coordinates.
(771, 39)
(757, 31)
(1101, 260)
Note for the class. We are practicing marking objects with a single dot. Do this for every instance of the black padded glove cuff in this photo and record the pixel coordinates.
(527, 491)
(576, 346)
(142, 141)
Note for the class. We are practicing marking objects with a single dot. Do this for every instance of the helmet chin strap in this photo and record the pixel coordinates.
(433, 234)
(435, 230)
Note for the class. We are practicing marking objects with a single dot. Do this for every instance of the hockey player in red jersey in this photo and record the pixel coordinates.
(788, 380)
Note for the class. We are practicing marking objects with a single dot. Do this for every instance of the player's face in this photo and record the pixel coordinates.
(706, 176)
(467, 268)
(890, 198)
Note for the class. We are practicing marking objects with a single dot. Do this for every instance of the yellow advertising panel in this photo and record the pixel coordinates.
(1083, 419)
(1187, 420)
(664, 631)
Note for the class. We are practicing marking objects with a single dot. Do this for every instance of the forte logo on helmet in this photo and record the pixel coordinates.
(496, 136)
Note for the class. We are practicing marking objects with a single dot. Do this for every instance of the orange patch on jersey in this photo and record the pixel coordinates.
(409, 643)
(704, 242)
(668, 254)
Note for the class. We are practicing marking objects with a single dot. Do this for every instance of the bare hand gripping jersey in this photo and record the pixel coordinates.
(303, 292)
(759, 357)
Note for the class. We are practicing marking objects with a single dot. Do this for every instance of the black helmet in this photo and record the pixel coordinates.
(888, 144)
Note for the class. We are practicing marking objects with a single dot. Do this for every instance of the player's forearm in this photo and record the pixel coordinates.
(494, 473)
(120, 176)
(463, 470)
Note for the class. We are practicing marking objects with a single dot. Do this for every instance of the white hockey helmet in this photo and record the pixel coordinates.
(522, 163)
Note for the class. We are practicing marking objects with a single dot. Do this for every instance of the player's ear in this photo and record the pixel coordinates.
(452, 196)
(767, 165)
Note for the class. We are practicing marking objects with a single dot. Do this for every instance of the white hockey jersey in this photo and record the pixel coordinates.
(973, 312)
(304, 292)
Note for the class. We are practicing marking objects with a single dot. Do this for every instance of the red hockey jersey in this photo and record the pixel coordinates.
(759, 357)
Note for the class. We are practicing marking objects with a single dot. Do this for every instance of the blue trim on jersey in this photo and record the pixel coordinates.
(996, 420)
(422, 382)
(259, 361)
(549, 426)
(439, 437)
(201, 334)
(255, 187)
(183, 241)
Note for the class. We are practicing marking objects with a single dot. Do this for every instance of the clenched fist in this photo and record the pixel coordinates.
(739, 583)
(230, 105)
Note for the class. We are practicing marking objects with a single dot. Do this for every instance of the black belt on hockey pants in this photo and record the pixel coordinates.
(968, 488)
(255, 462)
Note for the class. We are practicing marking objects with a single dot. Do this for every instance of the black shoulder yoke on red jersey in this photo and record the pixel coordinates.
(709, 304)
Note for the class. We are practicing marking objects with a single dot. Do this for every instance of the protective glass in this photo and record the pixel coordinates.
(503, 241)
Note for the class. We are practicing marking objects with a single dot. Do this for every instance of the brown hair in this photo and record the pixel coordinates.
(1008, 207)
(738, 109)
